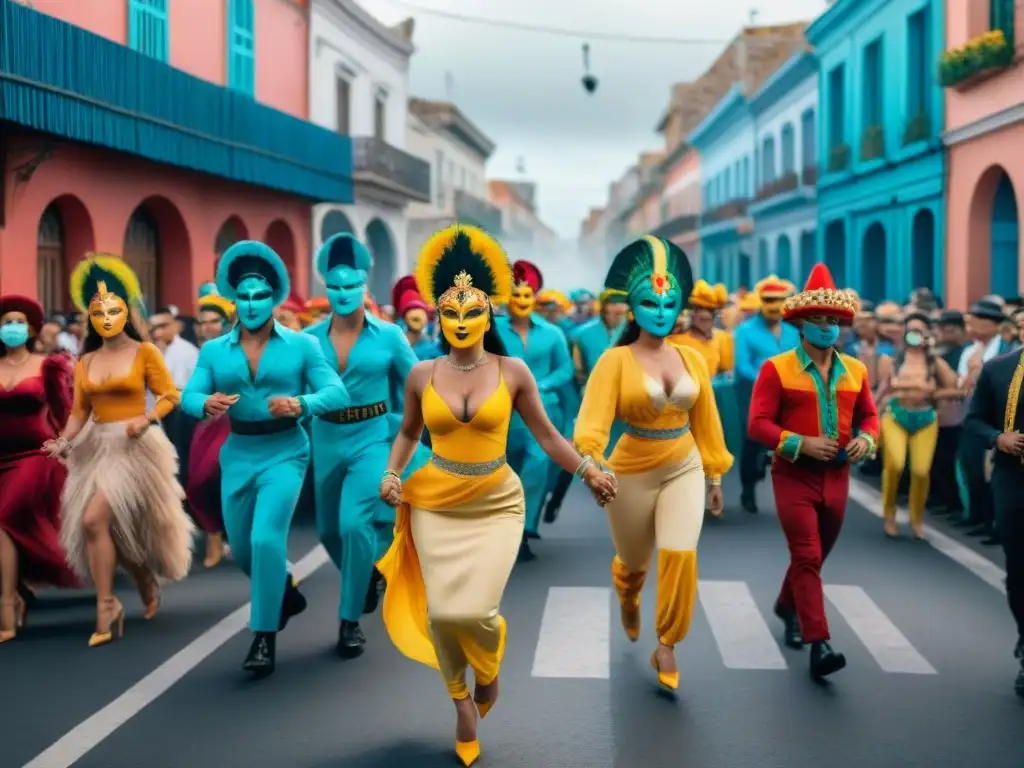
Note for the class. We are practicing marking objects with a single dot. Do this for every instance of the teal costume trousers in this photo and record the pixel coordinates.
(261, 479)
(529, 461)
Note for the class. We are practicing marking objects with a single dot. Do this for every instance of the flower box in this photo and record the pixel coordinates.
(839, 158)
(978, 60)
(918, 129)
(872, 143)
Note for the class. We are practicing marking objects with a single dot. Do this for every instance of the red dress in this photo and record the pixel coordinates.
(203, 489)
(32, 412)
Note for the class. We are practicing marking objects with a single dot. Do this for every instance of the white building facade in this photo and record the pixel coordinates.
(457, 152)
(359, 86)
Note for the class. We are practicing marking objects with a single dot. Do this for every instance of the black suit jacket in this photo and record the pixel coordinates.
(987, 410)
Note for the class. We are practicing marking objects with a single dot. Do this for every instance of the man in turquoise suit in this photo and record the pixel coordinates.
(546, 352)
(351, 445)
(266, 378)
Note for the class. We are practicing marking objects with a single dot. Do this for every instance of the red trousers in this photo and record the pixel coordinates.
(811, 504)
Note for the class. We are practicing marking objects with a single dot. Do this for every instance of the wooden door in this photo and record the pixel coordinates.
(142, 252)
(51, 280)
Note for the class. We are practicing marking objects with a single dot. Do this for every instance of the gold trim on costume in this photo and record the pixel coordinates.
(1013, 396)
(825, 299)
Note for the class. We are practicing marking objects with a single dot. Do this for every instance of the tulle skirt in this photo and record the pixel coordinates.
(139, 478)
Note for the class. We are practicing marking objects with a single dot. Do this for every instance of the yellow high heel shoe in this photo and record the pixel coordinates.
(483, 707)
(468, 752)
(214, 550)
(115, 629)
(668, 680)
(12, 615)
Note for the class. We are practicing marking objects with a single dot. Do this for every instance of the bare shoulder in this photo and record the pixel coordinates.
(419, 375)
(515, 370)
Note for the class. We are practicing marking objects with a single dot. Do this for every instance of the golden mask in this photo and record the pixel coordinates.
(107, 312)
(464, 312)
(416, 319)
(523, 301)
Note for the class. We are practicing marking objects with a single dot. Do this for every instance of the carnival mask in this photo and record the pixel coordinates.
(771, 309)
(465, 313)
(656, 303)
(822, 333)
(346, 289)
(14, 331)
(254, 302)
(416, 319)
(108, 312)
(522, 301)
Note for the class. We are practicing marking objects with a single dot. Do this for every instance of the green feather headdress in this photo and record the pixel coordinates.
(463, 257)
(650, 259)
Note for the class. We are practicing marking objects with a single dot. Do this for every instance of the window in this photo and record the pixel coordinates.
(147, 28)
(728, 185)
(241, 48)
(379, 114)
(343, 99)
(768, 161)
(918, 69)
(872, 93)
(746, 177)
(788, 149)
(1001, 16)
(436, 174)
(808, 139)
(836, 108)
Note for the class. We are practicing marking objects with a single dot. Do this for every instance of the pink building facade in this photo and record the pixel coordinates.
(196, 165)
(984, 136)
(680, 203)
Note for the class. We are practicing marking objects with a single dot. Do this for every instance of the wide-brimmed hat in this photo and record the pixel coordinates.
(30, 308)
(987, 310)
(821, 297)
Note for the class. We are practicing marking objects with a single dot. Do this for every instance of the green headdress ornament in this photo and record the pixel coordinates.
(653, 261)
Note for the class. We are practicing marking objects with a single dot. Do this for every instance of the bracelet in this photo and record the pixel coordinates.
(715, 481)
(391, 474)
(586, 462)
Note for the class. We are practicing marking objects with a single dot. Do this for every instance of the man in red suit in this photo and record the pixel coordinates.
(813, 407)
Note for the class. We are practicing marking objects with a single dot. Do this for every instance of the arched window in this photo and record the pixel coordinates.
(768, 159)
(808, 139)
(241, 47)
(51, 284)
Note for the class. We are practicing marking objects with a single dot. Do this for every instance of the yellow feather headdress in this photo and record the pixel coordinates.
(100, 273)
(707, 296)
(464, 258)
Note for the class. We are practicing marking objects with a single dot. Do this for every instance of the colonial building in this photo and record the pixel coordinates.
(880, 190)
(680, 202)
(984, 134)
(359, 86)
(644, 213)
(521, 227)
(783, 208)
(167, 132)
(457, 151)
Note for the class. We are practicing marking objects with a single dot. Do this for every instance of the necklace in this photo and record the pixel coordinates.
(467, 366)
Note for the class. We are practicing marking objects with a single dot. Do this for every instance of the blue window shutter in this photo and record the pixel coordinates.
(241, 47)
(148, 28)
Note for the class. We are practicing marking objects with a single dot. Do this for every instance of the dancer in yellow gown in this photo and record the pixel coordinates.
(673, 444)
(461, 517)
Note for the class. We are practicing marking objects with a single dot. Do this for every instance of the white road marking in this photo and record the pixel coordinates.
(740, 630)
(575, 634)
(890, 647)
(77, 742)
(980, 566)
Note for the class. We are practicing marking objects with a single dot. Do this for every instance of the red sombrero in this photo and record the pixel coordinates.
(528, 273)
(30, 308)
(821, 297)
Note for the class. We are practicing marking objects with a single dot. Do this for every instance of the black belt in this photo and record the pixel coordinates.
(262, 427)
(356, 413)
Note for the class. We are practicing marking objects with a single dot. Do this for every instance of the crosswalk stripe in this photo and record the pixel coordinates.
(575, 634)
(884, 641)
(740, 631)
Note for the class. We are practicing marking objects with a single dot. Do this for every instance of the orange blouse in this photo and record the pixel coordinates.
(121, 398)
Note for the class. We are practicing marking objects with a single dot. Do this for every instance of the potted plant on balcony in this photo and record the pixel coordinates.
(978, 59)
(918, 128)
(838, 157)
(872, 143)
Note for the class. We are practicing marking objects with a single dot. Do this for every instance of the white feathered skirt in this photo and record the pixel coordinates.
(139, 478)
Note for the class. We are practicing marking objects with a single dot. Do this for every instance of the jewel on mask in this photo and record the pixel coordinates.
(659, 283)
(462, 291)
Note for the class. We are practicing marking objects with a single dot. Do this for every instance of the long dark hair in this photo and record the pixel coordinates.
(492, 341)
(94, 341)
(629, 334)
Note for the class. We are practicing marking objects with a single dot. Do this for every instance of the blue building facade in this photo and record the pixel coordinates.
(784, 209)
(881, 212)
(725, 140)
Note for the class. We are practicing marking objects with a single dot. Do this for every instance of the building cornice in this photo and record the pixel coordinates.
(725, 113)
(986, 125)
(350, 11)
(828, 22)
(783, 82)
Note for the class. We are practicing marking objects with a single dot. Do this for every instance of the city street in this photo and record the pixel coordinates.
(927, 636)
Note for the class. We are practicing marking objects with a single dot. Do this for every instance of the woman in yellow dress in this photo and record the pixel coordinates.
(672, 453)
(461, 516)
(122, 503)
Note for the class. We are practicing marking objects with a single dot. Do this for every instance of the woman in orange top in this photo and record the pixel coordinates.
(461, 516)
(122, 500)
(671, 447)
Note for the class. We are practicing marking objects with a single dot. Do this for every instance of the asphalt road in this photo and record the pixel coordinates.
(929, 680)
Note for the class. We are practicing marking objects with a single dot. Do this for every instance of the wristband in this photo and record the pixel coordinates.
(585, 463)
(390, 473)
(715, 481)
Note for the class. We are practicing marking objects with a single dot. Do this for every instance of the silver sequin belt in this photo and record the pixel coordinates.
(656, 434)
(468, 468)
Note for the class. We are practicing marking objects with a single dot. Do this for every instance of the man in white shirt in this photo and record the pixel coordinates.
(181, 358)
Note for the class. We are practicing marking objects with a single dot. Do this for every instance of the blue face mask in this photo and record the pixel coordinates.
(346, 289)
(254, 302)
(14, 334)
(821, 336)
(656, 313)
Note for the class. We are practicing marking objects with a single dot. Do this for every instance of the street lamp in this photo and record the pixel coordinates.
(588, 80)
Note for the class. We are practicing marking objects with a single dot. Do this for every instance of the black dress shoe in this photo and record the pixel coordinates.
(748, 504)
(294, 602)
(791, 636)
(374, 592)
(824, 660)
(351, 640)
(981, 530)
(535, 535)
(992, 541)
(551, 510)
(260, 661)
(1018, 686)
(525, 553)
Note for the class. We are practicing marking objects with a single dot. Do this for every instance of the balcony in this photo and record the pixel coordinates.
(731, 210)
(677, 225)
(479, 213)
(809, 175)
(105, 94)
(787, 182)
(389, 169)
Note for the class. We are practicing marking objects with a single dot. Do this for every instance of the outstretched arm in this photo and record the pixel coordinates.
(408, 437)
(527, 401)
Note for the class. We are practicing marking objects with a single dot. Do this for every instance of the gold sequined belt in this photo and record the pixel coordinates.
(468, 468)
(356, 413)
(645, 433)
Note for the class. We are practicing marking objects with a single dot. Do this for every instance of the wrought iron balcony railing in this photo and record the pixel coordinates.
(479, 213)
(376, 162)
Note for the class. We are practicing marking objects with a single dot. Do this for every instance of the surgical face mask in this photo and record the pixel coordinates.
(522, 301)
(656, 307)
(14, 333)
(346, 289)
(254, 302)
(108, 314)
(821, 336)
(914, 339)
(772, 310)
(464, 318)
(416, 320)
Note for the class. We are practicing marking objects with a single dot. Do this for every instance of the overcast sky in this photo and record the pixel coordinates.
(523, 88)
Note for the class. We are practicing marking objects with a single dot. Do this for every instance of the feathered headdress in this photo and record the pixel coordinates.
(99, 274)
(707, 296)
(462, 257)
(650, 258)
(217, 303)
(401, 286)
